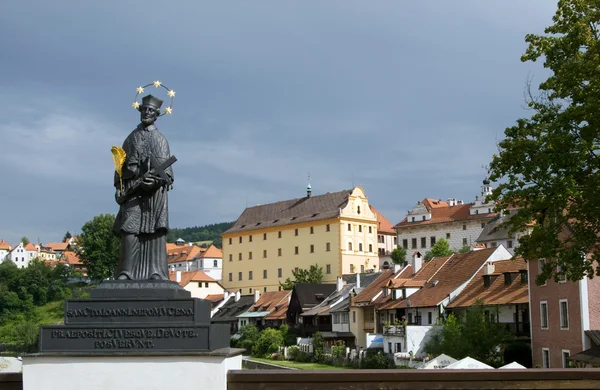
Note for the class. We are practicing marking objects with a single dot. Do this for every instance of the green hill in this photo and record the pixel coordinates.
(206, 233)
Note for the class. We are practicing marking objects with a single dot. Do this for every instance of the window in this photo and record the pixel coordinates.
(264, 236)
(327, 228)
(349, 246)
(336, 318)
(239, 276)
(312, 230)
(278, 251)
(370, 229)
(295, 232)
(296, 250)
(476, 211)
(429, 317)
(358, 210)
(279, 273)
(509, 244)
(215, 263)
(544, 314)
(230, 241)
(423, 242)
(312, 248)
(349, 227)
(351, 268)
(413, 219)
(483, 225)
(328, 268)
(395, 241)
(265, 289)
(432, 240)
(405, 243)
(360, 228)
(345, 317)
(410, 318)
(541, 264)
(249, 275)
(328, 246)
(230, 257)
(370, 248)
(465, 241)
(464, 227)
(264, 253)
(564, 313)
(206, 284)
(414, 243)
(545, 358)
(360, 247)
(250, 238)
(561, 277)
(249, 255)
(354, 317)
(239, 256)
(264, 274)
(493, 244)
(250, 290)
(423, 217)
(279, 234)
(231, 277)
(447, 236)
(362, 269)
(240, 240)
(565, 356)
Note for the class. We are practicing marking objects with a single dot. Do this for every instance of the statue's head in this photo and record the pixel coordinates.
(149, 109)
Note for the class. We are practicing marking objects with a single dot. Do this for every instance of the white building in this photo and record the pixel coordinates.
(197, 283)
(5, 249)
(190, 257)
(21, 255)
(457, 222)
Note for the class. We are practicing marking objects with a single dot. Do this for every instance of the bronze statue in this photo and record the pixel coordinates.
(142, 179)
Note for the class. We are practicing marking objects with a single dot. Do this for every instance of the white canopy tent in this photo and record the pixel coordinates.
(441, 361)
(468, 363)
(514, 365)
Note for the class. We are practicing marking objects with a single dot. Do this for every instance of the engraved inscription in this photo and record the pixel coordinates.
(130, 312)
(124, 338)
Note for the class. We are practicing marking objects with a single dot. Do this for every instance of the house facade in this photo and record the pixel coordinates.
(337, 231)
(22, 255)
(495, 234)
(197, 283)
(5, 249)
(457, 222)
(563, 316)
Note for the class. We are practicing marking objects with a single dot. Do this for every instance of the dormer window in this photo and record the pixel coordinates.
(524, 276)
(403, 293)
(413, 219)
(507, 278)
(358, 210)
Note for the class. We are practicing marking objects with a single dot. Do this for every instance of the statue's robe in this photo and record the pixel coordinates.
(143, 221)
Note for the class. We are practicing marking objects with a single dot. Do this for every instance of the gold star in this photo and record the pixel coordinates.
(157, 83)
(139, 90)
(168, 110)
(135, 105)
(171, 93)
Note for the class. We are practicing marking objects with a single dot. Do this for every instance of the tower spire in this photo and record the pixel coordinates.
(308, 187)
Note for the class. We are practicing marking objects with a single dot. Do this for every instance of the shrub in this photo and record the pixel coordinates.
(268, 342)
(293, 352)
(318, 346)
(379, 361)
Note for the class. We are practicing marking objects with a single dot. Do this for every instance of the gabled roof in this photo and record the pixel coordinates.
(57, 246)
(5, 245)
(333, 299)
(458, 269)
(492, 231)
(190, 276)
(280, 311)
(268, 300)
(427, 271)
(365, 278)
(383, 224)
(184, 253)
(441, 212)
(71, 258)
(231, 309)
(310, 295)
(30, 247)
(286, 212)
(498, 293)
(369, 292)
(212, 252)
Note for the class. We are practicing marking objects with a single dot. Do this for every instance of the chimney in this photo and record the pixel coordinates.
(178, 276)
(397, 267)
(339, 284)
(190, 244)
(225, 295)
(451, 201)
(417, 262)
(237, 296)
(357, 284)
(256, 295)
(488, 268)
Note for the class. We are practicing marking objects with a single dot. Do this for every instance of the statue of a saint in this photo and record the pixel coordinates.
(143, 221)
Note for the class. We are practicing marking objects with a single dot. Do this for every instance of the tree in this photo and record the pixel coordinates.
(98, 247)
(314, 275)
(25, 240)
(67, 236)
(440, 249)
(549, 161)
(399, 255)
(248, 337)
(268, 342)
(465, 249)
(473, 334)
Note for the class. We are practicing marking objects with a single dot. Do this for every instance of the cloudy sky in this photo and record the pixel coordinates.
(404, 98)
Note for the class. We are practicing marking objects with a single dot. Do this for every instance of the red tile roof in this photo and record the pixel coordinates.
(458, 269)
(280, 308)
(212, 252)
(184, 253)
(71, 258)
(383, 224)
(190, 276)
(57, 246)
(441, 212)
(369, 292)
(30, 247)
(268, 300)
(498, 293)
(214, 297)
(5, 245)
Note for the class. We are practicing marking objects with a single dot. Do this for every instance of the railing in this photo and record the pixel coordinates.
(394, 330)
(415, 379)
(310, 329)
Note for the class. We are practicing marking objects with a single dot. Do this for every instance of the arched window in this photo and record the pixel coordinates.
(358, 210)
(349, 246)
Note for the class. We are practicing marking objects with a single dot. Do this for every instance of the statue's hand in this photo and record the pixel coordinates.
(149, 183)
(118, 194)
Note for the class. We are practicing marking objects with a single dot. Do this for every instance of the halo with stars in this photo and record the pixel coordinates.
(156, 84)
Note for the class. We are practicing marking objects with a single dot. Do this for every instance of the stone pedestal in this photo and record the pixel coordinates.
(130, 335)
(181, 371)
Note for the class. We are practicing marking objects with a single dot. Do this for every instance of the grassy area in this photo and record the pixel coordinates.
(50, 313)
(299, 366)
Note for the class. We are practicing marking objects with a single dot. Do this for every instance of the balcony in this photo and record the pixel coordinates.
(369, 327)
(520, 330)
(394, 330)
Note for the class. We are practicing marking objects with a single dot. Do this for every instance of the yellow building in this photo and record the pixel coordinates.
(337, 231)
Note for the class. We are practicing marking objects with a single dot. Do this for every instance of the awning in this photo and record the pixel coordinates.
(254, 314)
(590, 356)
